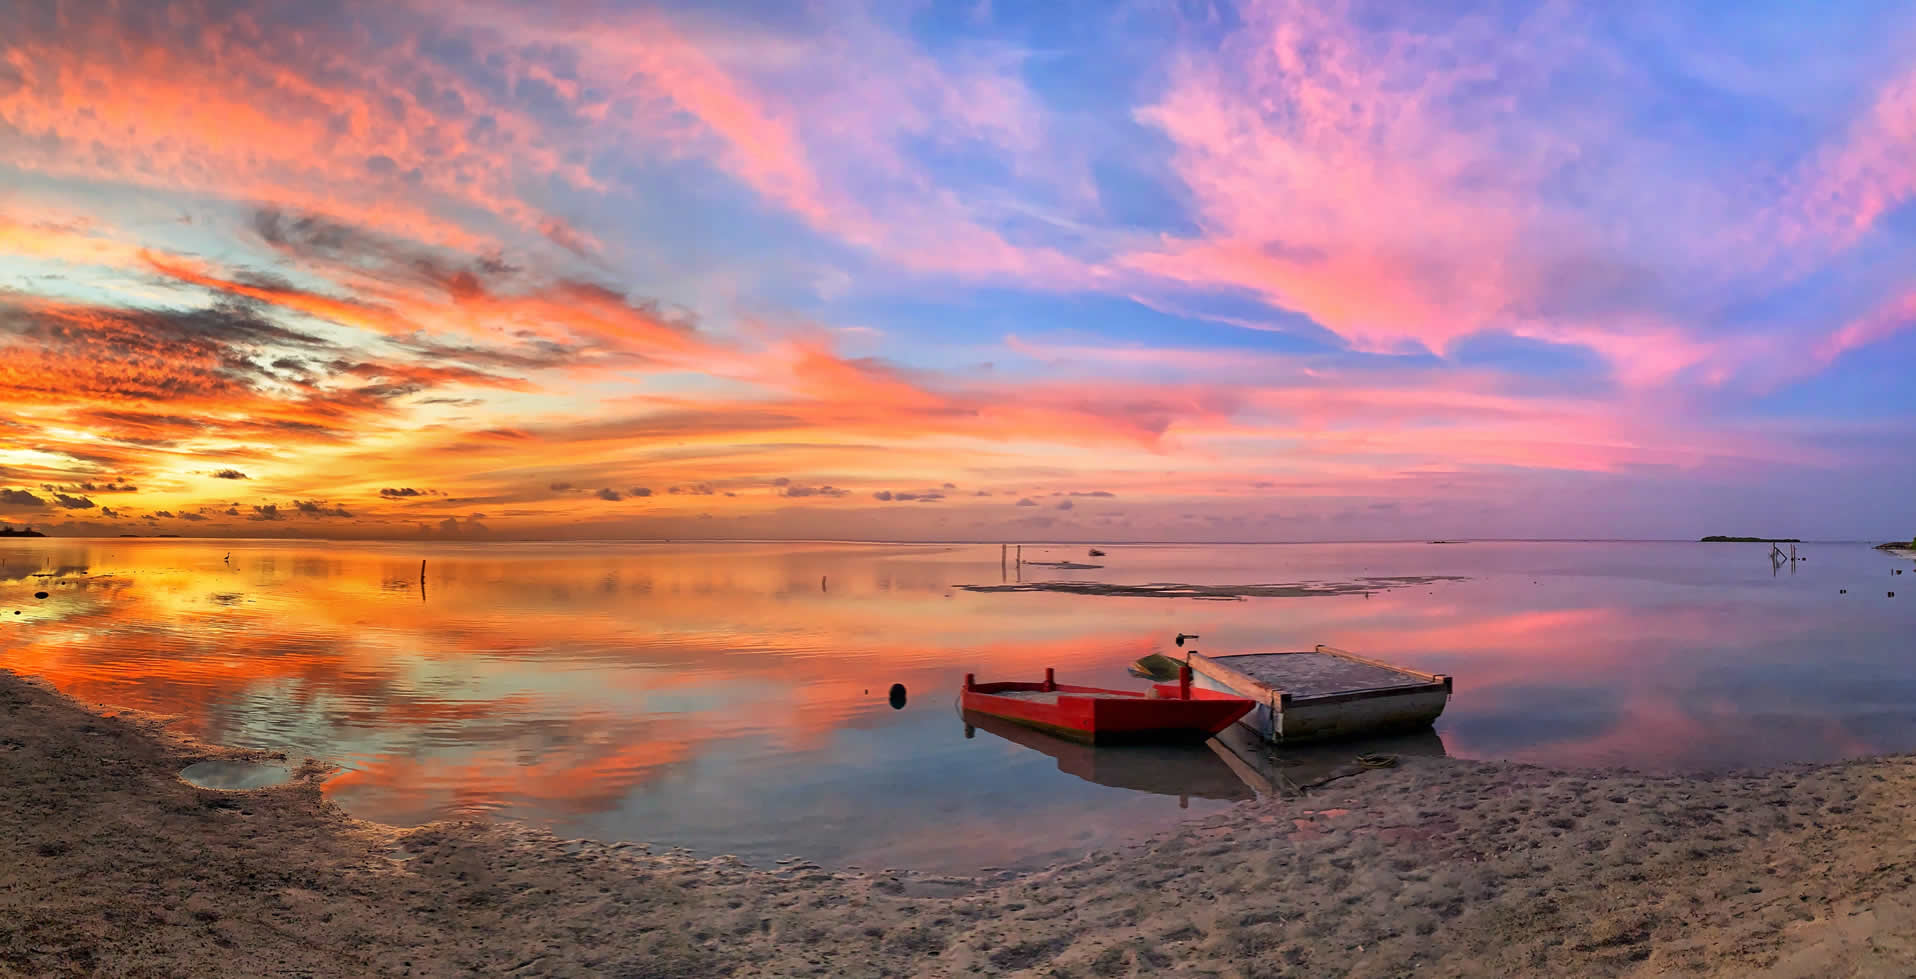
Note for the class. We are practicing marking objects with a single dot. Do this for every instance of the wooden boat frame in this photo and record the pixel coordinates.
(1286, 717)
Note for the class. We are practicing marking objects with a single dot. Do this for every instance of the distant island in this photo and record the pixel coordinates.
(23, 532)
(1718, 539)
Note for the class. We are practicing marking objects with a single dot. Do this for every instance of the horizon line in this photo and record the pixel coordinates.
(974, 542)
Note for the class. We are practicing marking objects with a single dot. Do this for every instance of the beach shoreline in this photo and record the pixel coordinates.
(1438, 866)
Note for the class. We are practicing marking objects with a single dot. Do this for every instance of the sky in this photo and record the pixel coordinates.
(958, 271)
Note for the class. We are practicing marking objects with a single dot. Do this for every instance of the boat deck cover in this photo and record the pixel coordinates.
(1315, 674)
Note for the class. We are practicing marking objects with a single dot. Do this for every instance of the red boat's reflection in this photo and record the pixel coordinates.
(1182, 770)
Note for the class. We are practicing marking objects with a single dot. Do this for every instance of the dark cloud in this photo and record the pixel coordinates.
(561, 234)
(640, 491)
(1104, 493)
(90, 488)
(403, 492)
(782, 481)
(230, 474)
(454, 527)
(389, 259)
(16, 497)
(73, 502)
(982, 493)
(168, 514)
(318, 508)
(1027, 501)
(1065, 504)
(951, 485)
(233, 511)
(109, 513)
(1262, 484)
(802, 491)
(609, 494)
(131, 357)
(903, 496)
(558, 487)
(187, 515)
(269, 511)
(699, 489)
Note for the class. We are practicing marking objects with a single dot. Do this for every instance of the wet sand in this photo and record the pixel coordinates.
(114, 866)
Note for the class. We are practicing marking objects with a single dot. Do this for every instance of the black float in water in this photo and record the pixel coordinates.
(897, 697)
(39, 594)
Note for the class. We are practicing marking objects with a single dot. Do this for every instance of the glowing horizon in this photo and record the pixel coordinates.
(1255, 271)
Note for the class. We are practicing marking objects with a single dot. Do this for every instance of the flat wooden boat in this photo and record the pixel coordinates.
(1166, 712)
(1324, 693)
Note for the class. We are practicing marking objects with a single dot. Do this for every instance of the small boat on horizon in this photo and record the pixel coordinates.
(1096, 715)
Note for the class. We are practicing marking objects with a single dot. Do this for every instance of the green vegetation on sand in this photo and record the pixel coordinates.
(1717, 539)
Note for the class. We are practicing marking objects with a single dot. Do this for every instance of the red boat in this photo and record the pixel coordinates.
(1166, 712)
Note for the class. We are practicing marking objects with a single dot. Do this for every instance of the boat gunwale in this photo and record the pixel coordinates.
(999, 687)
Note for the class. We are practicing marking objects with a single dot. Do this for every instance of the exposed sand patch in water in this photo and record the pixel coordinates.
(1440, 867)
(1170, 589)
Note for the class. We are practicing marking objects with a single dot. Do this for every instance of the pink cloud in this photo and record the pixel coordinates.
(1852, 183)
(1879, 324)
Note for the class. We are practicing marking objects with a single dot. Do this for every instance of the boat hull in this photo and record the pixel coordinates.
(1094, 715)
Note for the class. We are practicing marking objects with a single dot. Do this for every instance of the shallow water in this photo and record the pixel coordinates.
(734, 698)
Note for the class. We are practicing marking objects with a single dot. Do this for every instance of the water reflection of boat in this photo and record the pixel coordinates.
(1181, 770)
(1285, 769)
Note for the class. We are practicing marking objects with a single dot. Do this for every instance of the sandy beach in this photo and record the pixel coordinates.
(114, 866)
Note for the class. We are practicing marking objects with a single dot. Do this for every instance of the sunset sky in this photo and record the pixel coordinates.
(980, 270)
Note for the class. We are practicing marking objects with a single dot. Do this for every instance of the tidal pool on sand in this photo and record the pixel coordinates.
(235, 775)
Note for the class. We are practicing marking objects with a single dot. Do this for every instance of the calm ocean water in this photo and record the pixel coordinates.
(731, 698)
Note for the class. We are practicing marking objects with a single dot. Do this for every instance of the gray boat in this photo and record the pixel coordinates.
(1324, 693)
